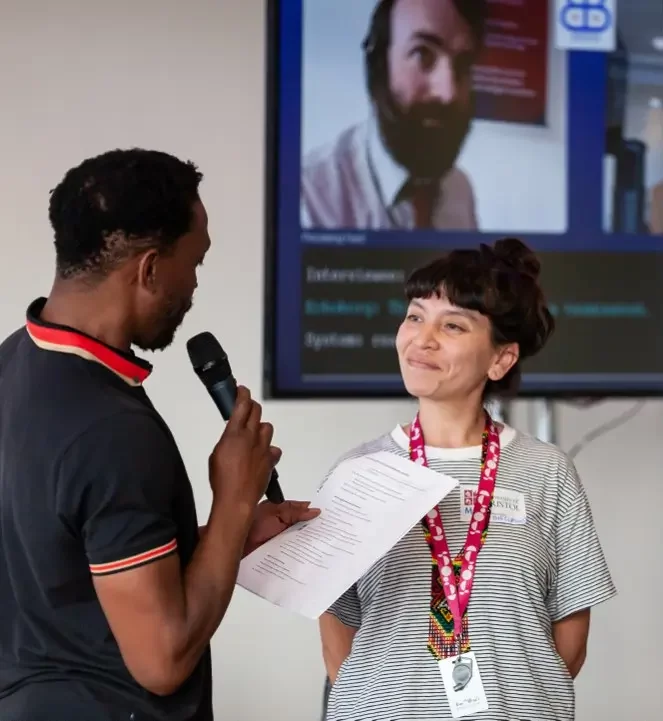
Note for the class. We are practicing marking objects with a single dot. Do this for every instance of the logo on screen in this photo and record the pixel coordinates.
(585, 16)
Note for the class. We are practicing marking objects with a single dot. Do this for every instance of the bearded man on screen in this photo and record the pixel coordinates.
(396, 169)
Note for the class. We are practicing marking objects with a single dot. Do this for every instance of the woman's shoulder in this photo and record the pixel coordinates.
(542, 461)
(383, 442)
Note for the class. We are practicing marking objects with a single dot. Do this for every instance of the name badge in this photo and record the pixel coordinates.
(463, 685)
(508, 506)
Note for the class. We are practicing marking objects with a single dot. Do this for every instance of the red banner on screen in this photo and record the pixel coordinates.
(511, 74)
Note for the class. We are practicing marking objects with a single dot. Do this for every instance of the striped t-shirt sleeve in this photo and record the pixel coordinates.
(583, 579)
(116, 488)
(347, 608)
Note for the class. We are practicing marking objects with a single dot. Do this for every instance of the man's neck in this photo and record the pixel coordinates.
(452, 425)
(96, 312)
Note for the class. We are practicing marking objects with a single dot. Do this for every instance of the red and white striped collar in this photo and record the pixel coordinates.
(62, 339)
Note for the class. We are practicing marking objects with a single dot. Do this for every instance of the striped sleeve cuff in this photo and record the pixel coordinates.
(140, 559)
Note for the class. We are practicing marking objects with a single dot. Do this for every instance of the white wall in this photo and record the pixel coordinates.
(500, 159)
(188, 78)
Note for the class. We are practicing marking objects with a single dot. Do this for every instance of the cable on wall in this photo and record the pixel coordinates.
(606, 427)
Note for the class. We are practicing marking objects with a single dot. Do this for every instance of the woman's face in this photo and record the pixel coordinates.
(446, 352)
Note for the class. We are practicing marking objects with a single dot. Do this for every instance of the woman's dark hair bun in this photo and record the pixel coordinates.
(514, 253)
(500, 281)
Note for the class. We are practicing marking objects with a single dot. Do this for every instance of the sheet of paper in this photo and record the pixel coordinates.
(368, 504)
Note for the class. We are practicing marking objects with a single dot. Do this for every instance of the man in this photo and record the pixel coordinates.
(110, 594)
(397, 169)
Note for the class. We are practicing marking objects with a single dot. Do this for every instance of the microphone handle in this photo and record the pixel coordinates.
(224, 395)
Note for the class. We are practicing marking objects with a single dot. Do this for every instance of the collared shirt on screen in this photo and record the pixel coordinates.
(355, 183)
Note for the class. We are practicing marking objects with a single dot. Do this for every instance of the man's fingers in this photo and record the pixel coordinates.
(307, 515)
(253, 421)
(266, 433)
(303, 505)
(276, 454)
(292, 512)
(242, 409)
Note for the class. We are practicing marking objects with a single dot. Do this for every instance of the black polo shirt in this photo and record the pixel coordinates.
(91, 483)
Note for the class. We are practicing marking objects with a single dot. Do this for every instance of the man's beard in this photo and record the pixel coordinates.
(167, 325)
(426, 138)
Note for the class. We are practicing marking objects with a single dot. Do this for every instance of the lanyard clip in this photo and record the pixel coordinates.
(459, 645)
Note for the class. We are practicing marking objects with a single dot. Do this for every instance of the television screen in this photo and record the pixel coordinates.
(561, 148)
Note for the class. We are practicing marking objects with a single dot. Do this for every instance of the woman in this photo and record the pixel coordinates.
(516, 599)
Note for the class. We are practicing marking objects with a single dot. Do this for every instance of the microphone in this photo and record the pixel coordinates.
(211, 365)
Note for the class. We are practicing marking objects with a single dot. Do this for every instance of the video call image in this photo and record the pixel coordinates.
(403, 128)
(433, 116)
(633, 163)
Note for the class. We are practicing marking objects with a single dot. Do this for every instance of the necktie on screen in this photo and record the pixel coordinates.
(423, 198)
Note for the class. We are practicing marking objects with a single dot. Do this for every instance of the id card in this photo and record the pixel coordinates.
(463, 685)
(508, 506)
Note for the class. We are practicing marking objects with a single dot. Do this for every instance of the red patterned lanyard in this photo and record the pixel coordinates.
(457, 591)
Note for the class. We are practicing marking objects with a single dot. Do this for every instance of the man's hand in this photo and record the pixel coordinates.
(270, 519)
(243, 459)
(163, 616)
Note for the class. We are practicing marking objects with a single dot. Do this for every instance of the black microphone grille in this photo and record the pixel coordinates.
(205, 350)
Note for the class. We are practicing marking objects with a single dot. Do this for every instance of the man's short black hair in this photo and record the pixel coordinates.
(119, 203)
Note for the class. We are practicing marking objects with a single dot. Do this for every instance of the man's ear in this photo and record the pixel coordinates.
(148, 268)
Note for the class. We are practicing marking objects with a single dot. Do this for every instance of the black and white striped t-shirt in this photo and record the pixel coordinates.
(528, 576)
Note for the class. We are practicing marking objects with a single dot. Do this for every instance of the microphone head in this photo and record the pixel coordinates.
(205, 352)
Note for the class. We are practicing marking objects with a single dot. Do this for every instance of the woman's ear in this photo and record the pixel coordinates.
(506, 359)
